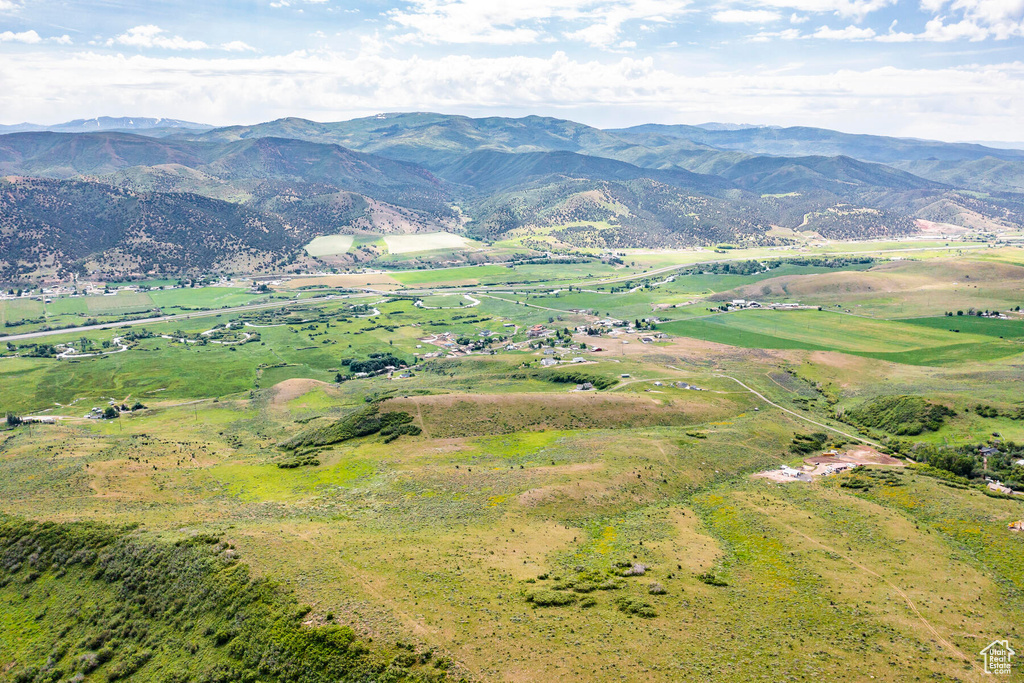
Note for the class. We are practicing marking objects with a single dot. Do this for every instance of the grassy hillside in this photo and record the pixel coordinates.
(256, 508)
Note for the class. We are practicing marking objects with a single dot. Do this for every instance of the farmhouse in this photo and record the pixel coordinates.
(1000, 487)
(794, 473)
(548, 362)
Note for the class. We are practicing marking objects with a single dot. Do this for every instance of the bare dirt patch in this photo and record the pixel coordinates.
(291, 389)
(381, 281)
(934, 228)
(858, 455)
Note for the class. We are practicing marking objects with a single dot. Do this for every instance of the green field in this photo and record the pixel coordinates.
(920, 344)
(283, 506)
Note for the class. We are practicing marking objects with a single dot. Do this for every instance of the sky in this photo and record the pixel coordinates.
(942, 69)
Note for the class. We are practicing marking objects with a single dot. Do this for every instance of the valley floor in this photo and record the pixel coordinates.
(529, 527)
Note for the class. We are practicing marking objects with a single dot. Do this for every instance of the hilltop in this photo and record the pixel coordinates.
(534, 184)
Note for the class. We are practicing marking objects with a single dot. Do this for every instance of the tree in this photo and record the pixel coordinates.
(13, 420)
(110, 413)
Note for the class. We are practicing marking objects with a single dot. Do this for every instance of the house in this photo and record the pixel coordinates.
(549, 352)
(578, 359)
(548, 362)
(624, 375)
(485, 333)
(988, 451)
(658, 384)
(794, 473)
(586, 386)
(536, 331)
(999, 487)
(509, 325)
(647, 340)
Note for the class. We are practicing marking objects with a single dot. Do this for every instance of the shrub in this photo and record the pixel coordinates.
(900, 415)
(635, 606)
(805, 444)
(656, 589)
(711, 579)
(598, 381)
(550, 598)
(149, 591)
(362, 422)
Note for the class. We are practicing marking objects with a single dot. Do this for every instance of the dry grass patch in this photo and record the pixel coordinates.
(455, 415)
(350, 281)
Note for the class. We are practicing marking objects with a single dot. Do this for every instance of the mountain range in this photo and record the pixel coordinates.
(130, 196)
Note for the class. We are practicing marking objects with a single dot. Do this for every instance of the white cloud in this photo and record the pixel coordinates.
(237, 46)
(27, 37)
(937, 30)
(746, 16)
(951, 103)
(62, 40)
(149, 35)
(9, 6)
(857, 9)
(277, 4)
(848, 33)
(596, 22)
(979, 19)
(785, 34)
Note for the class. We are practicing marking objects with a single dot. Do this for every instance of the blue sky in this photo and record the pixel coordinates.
(947, 69)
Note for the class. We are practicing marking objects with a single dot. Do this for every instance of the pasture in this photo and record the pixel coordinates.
(831, 331)
(404, 244)
(329, 245)
(528, 529)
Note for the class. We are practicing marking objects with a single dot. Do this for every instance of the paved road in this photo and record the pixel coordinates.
(166, 318)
